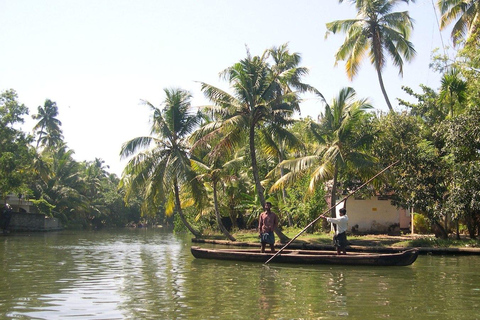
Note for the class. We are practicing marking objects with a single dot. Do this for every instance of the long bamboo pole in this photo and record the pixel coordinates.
(319, 217)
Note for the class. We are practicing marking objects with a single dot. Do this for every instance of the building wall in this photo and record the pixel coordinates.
(33, 222)
(20, 204)
(375, 216)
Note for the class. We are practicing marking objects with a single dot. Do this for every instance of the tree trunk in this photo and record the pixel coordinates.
(382, 87)
(440, 232)
(253, 157)
(258, 185)
(233, 216)
(472, 226)
(284, 192)
(182, 216)
(217, 214)
(333, 196)
(39, 137)
(457, 224)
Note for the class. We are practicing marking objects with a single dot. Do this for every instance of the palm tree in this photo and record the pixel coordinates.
(287, 65)
(378, 30)
(160, 166)
(277, 140)
(453, 90)
(258, 99)
(59, 182)
(339, 144)
(467, 16)
(217, 172)
(48, 126)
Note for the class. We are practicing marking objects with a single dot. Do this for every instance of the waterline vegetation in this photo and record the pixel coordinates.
(215, 166)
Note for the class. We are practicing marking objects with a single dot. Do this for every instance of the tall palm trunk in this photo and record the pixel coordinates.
(333, 197)
(253, 156)
(182, 216)
(284, 191)
(40, 136)
(382, 87)
(217, 214)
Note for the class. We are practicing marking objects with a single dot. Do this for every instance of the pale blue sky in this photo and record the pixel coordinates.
(98, 58)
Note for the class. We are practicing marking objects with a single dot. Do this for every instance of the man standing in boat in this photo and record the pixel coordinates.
(340, 237)
(267, 223)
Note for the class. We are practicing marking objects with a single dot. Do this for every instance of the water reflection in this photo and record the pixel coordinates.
(152, 275)
(337, 289)
(267, 297)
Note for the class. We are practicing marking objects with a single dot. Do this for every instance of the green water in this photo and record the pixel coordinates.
(150, 274)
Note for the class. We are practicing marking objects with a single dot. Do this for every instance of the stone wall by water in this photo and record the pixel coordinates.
(33, 222)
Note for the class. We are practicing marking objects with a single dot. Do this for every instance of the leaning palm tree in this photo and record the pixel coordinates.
(217, 172)
(379, 31)
(48, 126)
(467, 16)
(339, 144)
(160, 167)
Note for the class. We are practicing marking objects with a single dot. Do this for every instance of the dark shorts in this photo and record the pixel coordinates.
(340, 240)
(268, 237)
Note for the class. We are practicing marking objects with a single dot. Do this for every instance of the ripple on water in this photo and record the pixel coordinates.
(138, 275)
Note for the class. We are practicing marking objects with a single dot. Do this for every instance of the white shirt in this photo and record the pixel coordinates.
(341, 222)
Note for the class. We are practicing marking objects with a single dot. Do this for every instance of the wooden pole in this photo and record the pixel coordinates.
(344, 199)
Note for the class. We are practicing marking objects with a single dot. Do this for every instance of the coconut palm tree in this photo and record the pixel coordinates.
(217, 172)
(48, 126)
(160, 167)
(339, 144)
(258, 100)
(379, 31)
(59, 183)
(467, 16)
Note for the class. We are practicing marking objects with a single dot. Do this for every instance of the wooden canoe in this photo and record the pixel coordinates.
(403, 258)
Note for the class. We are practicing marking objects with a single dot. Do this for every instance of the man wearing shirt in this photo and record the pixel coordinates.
(340, 237)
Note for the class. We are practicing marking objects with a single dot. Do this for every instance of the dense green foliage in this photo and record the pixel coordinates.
(80, 194)
(216, 167)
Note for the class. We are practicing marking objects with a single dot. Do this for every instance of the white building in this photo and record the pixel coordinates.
(375, 215)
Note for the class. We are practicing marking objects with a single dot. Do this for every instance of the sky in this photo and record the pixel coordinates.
(98, 59)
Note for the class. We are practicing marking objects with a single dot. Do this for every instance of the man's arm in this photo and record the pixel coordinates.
(260, 223)
(334, 220)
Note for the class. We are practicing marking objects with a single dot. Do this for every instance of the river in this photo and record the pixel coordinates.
(150, 274)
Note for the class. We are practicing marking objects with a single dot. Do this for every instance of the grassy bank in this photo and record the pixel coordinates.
(362, 240)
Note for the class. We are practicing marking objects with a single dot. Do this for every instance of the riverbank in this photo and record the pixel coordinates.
(426, 244)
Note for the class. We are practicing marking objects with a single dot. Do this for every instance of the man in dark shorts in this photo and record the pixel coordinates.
(6, 217)
(340, 237)
(267, 223)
